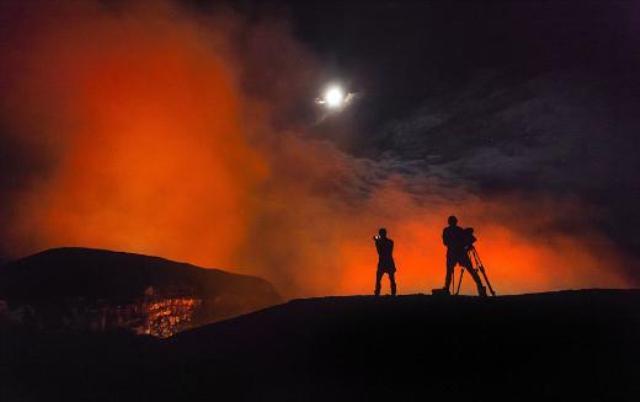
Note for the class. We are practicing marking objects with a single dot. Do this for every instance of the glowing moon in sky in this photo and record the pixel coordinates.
(334, 97)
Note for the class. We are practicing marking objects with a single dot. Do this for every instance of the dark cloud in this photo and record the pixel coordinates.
(564, 134)
(528, 99)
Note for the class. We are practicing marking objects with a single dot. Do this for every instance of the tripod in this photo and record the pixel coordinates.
(477, 265)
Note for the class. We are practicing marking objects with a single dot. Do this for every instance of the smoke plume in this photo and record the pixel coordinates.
(152, 129)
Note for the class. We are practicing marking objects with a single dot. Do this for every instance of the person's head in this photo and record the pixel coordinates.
(453, 221)
(382, 232)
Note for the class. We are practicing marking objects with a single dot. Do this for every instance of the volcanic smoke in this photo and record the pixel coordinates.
(146, 129)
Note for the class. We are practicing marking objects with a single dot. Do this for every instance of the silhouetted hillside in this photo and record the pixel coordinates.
(582, 344)
(576, 345)
(79, 288)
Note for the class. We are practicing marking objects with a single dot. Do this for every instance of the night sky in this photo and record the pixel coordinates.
(540, 96)
(521, 115)
(503, 96)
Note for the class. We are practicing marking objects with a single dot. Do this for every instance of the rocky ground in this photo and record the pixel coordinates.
(580, 345)
(79, 289)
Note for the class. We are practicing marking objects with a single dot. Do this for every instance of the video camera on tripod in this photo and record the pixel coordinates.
(462, 252)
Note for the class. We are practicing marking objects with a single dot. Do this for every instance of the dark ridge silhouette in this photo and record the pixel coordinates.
(81, 288)
(572, 345)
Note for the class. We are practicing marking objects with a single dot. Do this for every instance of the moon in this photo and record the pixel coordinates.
(334, 97)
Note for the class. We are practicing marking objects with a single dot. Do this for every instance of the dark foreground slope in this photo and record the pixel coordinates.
(90, 289)
(580, 345)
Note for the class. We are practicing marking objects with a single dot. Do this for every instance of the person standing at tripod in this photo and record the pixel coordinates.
(459, 242)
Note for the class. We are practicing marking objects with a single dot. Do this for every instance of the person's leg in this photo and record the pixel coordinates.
(451, 263)
(392, 280)
(378, 278)
(466, 262)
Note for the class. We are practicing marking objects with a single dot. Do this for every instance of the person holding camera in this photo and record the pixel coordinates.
(384, 247)
(459, 241)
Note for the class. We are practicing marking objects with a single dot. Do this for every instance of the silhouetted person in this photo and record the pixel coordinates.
(384, 246)
(458, 242)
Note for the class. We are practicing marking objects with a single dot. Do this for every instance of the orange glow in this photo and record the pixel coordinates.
(150, 144)
(515, 261)
(152, 156)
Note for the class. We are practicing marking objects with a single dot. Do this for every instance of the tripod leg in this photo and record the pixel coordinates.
(460, 281)
(478, 264)
(486, 279)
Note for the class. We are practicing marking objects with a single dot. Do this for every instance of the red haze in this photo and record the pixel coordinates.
(141, 136)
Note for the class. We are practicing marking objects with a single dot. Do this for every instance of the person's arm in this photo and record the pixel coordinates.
(445, 239)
